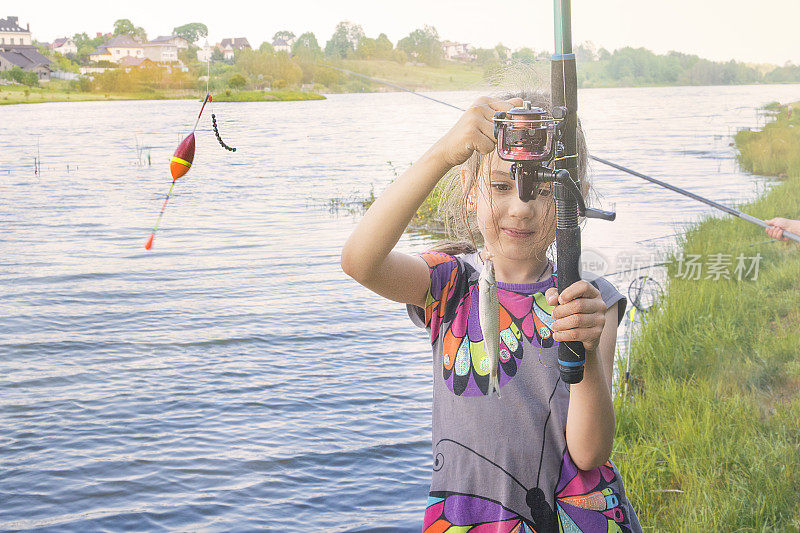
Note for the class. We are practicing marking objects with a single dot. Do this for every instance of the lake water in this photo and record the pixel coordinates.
(233, 378)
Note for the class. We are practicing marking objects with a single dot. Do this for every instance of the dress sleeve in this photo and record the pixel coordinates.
(611, 296)
(444, 271)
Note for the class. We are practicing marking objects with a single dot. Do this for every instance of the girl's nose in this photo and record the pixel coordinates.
(521, 209)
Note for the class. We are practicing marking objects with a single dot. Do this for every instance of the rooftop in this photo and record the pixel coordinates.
(25, 57)
(10, 25)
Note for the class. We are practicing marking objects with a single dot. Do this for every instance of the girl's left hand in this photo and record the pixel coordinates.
(579, 314)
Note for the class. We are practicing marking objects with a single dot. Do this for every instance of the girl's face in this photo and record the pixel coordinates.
(511, 228)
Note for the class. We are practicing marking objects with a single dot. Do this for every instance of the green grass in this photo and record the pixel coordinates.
(58, 91)
(265, 96)
(450, 76)
(708, 438)
(774, 151)
(427, 217)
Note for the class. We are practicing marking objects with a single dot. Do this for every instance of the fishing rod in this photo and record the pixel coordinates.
(715, 205)
(565, 177)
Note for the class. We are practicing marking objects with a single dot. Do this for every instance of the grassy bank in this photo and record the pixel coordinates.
(708, 438)
(774, 151)
(265, 96)
(450, 76)
(427, 217)
(58, 91)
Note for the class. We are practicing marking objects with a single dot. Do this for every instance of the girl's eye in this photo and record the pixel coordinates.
(501, 186)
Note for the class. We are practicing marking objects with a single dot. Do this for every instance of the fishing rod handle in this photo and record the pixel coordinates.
(571, 354)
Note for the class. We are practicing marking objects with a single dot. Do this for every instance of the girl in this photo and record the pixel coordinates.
(535, 458)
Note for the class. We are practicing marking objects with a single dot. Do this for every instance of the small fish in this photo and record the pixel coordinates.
(489, 314)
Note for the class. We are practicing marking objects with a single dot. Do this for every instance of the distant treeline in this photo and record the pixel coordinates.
(639, 66)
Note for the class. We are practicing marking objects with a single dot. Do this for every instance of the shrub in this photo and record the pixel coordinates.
(237, 81)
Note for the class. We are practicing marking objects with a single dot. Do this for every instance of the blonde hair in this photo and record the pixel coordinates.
(460, 223)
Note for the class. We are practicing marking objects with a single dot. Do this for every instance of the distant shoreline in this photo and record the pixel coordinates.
(15, 94)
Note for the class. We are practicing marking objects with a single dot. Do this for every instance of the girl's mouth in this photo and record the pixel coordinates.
(517, 234)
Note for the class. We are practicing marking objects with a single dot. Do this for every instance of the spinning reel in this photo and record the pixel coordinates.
(531, 139)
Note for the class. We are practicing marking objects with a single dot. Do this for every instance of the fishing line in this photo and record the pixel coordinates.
(149, 243)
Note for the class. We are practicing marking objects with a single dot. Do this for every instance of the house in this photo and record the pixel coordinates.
(120, 46)
(281, 45)
(17, 50)
(227, 51)
(160, 52)
(129, 63)
(27, 58)
(177, 40)
(101, 54)
(64, 46)
(237, 43)
(457, 51)
(11, 34)
(229, 46)
(204, 54)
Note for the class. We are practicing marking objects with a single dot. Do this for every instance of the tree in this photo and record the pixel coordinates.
(266, 47)
(484, 56)
(192, 32)
(423, 45)
(284, 35)
(64, 63)
(366, 48)
(383, 47)
(502, 51)
(23, 77)
(524, 55)
(268, 67)
(586, 52)
(344, 40)
(306, 48)
(123, 27)
(237, 81)
(126, 27)
(86, 45)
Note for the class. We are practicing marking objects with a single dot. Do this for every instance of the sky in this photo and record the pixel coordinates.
(753, 31)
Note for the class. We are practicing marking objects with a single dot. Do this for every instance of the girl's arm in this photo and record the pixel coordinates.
(368, 255)
(581, 315)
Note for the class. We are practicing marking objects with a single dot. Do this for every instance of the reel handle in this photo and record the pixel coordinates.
(591, 212)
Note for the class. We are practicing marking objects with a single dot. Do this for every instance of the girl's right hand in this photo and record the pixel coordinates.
(474, 131)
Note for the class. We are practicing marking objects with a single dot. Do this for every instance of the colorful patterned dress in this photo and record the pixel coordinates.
(501, 465)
